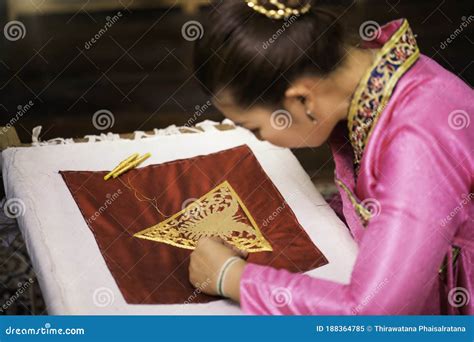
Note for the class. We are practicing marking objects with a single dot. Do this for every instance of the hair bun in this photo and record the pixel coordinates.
(296, 3)
(279, 9)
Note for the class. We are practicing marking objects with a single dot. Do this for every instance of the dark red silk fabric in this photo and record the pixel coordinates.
(149, 272)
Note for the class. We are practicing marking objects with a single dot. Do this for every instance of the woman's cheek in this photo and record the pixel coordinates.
(319, 137)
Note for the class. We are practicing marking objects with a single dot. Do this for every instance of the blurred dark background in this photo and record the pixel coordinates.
(140, 68)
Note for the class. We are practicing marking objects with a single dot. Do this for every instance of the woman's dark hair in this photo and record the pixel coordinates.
(256, 58)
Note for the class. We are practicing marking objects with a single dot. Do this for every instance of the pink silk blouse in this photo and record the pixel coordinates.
(404, 169)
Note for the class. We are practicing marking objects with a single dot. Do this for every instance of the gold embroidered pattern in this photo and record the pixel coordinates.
(455, 252)
(216, 214)
(376, 87)
(364, 214)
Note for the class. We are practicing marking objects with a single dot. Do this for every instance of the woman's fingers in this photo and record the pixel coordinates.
(206, 262)
(237, 251)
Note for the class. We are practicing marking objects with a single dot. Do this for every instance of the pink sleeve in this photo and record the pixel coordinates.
(418, 184)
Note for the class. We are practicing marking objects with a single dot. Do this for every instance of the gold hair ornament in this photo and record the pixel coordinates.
(281, 11)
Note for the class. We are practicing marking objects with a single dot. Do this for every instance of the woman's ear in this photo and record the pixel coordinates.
(296, 92)
(300, 99)
(301, 90)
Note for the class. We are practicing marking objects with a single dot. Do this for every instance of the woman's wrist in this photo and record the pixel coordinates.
(232, 280)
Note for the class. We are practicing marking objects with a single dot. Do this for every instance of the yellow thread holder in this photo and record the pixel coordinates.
(128, 164)
(121, 165)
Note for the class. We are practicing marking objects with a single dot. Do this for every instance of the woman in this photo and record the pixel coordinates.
(399, 128)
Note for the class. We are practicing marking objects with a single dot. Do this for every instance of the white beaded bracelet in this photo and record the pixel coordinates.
(222, 273)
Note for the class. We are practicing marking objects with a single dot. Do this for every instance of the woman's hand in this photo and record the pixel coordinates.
(206, 262)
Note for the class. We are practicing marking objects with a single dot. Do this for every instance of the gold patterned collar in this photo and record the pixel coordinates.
(375, 89)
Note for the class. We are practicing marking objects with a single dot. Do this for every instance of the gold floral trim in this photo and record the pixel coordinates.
(364, 214)
(455, 252)
(216, 214)
(376, 87)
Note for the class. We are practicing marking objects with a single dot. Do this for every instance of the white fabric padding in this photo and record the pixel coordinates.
(72, 273)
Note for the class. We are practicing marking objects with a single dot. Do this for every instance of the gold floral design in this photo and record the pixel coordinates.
(216, 214)
(364, 214)
(375, 89)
